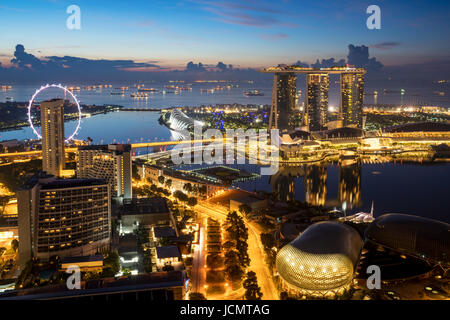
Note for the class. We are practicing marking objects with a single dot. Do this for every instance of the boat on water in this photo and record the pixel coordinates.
(148, 90)
(253, 93)
(117, 93)
(9, 98)
(139, 95)
(402, 91)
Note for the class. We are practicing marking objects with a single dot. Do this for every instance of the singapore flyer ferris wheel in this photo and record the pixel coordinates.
(66, 91)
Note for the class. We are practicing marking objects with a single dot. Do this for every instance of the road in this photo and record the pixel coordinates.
(255, 251)
(198, 263)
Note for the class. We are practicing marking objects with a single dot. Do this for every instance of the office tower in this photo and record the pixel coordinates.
(352, 93)
(52, 128)
(63, 217)
(349, 173)
(110, 162)
(317, 100)
(316, 185)
(283, 113)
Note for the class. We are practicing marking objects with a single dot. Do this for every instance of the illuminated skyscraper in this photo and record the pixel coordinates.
(283, 113)
(52, 127)
(63, 217)
(110, 162)
(352, 92)
(317, 100)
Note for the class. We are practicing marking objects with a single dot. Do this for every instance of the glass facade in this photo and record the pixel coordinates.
(317, 100)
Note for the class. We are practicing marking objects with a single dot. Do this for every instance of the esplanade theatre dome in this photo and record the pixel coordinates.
(423, 238)
(321, 260)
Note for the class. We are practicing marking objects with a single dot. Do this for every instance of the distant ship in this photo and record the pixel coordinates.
(253, 93)
(148, 90)
(9, 99)
(394, 91)
(139, 95)
(117, 93)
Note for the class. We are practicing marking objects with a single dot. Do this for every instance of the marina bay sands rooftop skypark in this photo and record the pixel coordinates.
(307, 70)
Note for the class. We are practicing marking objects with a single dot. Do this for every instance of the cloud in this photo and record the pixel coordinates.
(27, 66)
(301, 64)
(385, 45)
(275, 36)
(223, 67)
(246, 13)
(193, 67)
(358, 56)
(26, 60)
(328, 63)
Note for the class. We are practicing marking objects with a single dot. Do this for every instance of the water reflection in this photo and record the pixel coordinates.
(283, 182)
(349, 172)
(315, 183)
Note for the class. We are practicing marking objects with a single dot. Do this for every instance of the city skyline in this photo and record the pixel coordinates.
(225, 150)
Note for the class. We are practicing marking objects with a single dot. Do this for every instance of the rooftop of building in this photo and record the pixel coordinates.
(53, 100)
(164, 232)
(345, 132)
(167, 252)
(128, 243)
(295, 136)
(329, 237)
(72, 183)
(236, 195)
(307, 70)
(117, 147)
(144, 206)
(413, 235)
(419, 126)
(48, 181)
(81, 259)
(140, 282)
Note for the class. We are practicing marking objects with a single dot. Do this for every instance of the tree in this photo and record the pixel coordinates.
(180, 195)
(252, 290)
(196, 296)
(15, 244)
(234, 272)
(168, 267)
(202, 190)
(161, 179)
(168, 183)
(245, 209)
(192, 201)
(111, 264)
(267, 241)
(187, 187)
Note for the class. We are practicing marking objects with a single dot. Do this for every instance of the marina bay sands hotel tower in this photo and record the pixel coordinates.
(285, 115)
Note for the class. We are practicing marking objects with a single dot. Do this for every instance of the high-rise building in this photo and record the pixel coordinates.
(110, 162)
(317, 100)
(283, 113)
(63, 217)
(52, 128)
(352, 93)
